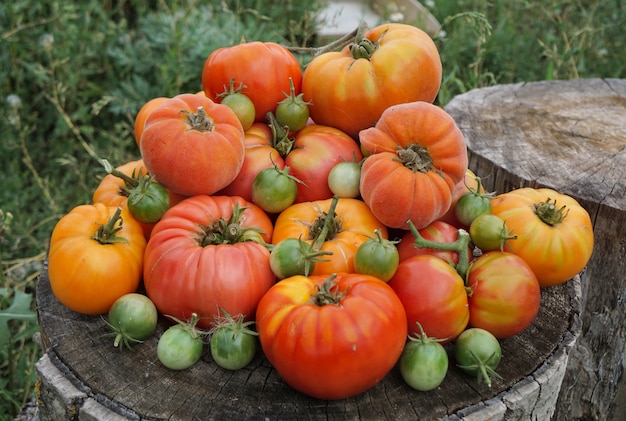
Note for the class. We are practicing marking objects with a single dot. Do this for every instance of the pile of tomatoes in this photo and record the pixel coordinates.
(320, 214)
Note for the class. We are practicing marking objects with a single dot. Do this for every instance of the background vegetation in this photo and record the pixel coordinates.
(74, 73)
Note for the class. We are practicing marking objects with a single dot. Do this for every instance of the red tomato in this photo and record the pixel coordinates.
(262, 68)
(199, 259)
(433, 295)
(193, 145)
(505, 294)
(331, 338)
(437, 231)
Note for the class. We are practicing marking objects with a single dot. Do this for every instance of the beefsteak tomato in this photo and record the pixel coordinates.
(433, 295)
(390, 64)
(201, 258)
(143, 113)
(262, 69)
(331, 337)
(554, 232)
(193, 145)
(350, 224)
(416, 155)
(95, 257)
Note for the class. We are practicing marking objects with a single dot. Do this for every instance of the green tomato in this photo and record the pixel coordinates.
(233, 345)
(470, 206)
(181, 345)
(293, 111)
(489, 232)
(378, 257)
(293, 256)
(344, 179)
(424, 362)
(274, 190)
(132, 318)
(478, 353)
(242, 106)
(148, 201)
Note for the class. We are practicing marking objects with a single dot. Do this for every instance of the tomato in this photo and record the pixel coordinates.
(132, 318)
(505, 294)
(201, 258)
(344, 179)
(436, 231)
(391, 64)
(378, 257)
(470, 206)
(331, 337)
(143, 113)
(424, 362)
(95, 256)
(259, 154)
(193, 145)
(274, 190)
(294, 256)
(262, 68)
(554, 232)
(233, 345)
(293, 111)
(181, 345)
(417, 156)
(467, 184)
(148, 201)
(433, 295)
(478, 353)
(349, 225)
(242, 106)
(489, 232)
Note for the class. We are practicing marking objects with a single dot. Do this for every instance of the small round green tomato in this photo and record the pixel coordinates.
(424, 362)
(378, 257)
(293, 256)
(344, 179)
(274, 190)
(243, 108)
(293, 111)
(148, 202)
(470, 206)
(478, 353)
(132, 318)
(180, 346)
(233, 345)
(489, 232)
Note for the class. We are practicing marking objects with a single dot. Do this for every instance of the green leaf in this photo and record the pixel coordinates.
(18, 310)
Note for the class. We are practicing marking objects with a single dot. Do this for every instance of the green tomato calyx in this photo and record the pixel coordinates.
(328, 293)
(223, 231)
(107, 233)
(415, 157)
(225, 321)
(199, 120)
(549, 213)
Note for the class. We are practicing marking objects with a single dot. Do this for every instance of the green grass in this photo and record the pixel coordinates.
(74, 73)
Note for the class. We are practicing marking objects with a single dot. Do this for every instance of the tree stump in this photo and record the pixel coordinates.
(569, 136)
(83, 376)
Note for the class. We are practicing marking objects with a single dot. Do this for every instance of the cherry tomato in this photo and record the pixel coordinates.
(181, 345)
(274, 190)
(471, 205)
(293, 111)
(344, 179)
(148, 201)
(243, 107)
(294, 256)
(424, 362)
(132, 318)
(377, 257)
(478, 353)
(489, 232)
(233, 345)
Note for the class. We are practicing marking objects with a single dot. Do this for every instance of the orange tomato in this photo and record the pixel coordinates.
(143, 113)
(95, 257)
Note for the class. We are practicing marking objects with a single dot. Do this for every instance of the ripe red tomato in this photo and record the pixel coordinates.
(193, 145)
(331, 337)
(505, 294)
(436, 231)
(433, 295)
(262, 68)
(350, 90)
(200, 259)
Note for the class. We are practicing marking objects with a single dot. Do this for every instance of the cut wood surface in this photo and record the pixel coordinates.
(569, 136)
(134, 385)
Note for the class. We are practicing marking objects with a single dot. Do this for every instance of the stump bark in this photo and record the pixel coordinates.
(569, 136)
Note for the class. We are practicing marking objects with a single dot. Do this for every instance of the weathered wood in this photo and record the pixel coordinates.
(134, 385)
(569, 136)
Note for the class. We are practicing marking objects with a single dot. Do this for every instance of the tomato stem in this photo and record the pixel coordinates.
(228, 231)
(459, 246)
(336, 45)
(326, 295)
(199, 120)
(415, 157)
(231, 90)
(280, 136)
(549, 213)
(107, 233)
(330, 226)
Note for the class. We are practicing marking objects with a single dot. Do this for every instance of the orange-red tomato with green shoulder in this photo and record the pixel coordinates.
(554, 232)
(193, 145)
(392, 64)
(332, 337)
(416, 155)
